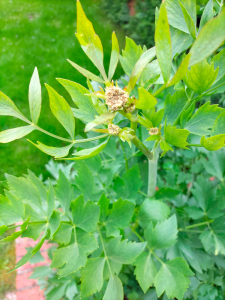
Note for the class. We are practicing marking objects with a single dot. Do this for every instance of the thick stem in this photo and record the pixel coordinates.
(142, 147)
(152, 177)
(152, 172)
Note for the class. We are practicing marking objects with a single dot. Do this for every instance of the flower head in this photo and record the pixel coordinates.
(115, 98)
(113, 129)
(154, 131)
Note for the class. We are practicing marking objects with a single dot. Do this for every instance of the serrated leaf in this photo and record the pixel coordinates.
(219, 125)
(181, 72)
(123, 252)
(119, 217)
(145, 270)
(85, 215)
(86, 73)
(8, 108)
(172, 279)
(145, 100)
(165, 147)
(104, 207)
(64, 191)
(176, 137)
(140, 65)
(203, 46)
(13, 134)
(61, 110)
(163, 235)
(86, 111)
(201, 77)
(38, 185)
(89, 40)
(186, 115)
(207, 14)
(174, 105)
(63, 234)
(54, 223)
(34, 230)
(163, 44)
(152, 210)
(71, 258)
(214, 239)
(29, 254)
(215, 164)
(154, 117)
(203, 119)
(194, 212)
(115, 55)
(92, 276)
(56, 152)
(35, 96)
(213, 143)
(11, 209)
(114, 290)
(50, 200)
(130, 56)
(190, 23)
(219, 61)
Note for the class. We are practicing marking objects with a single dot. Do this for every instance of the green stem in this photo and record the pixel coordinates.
(51, 134)
(91, 139)
(142, 147)
(159, 90)
(192, 231)
(104, 250)
(195, 145)
(133, 125)
(151, 251)
(199, 224)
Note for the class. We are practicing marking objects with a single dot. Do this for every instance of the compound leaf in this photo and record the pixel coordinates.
(123, 252)
(145, 270)
(115, 55)
(35, 96)
(56, 152)
(92, 276)
(201, 76)
(89, 40)
(13, 134)
(213, 143)
(152, 210)
(64, 191)
(120, 217)
(203, 46)
(61, 110)
(8, 108)
(172, 279)
(85, 215)
(203, 119)
(114, 290)
(176, 137)
(145, 100)
(163, 44)
(163, 235)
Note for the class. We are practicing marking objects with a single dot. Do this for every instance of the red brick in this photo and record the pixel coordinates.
(33, 293)
(22, 280)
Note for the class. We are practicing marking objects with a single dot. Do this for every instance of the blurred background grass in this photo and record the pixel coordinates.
(41, 33)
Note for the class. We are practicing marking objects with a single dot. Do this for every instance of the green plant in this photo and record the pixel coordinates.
(97, 233)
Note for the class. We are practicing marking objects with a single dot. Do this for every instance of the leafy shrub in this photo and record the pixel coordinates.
(99, 234)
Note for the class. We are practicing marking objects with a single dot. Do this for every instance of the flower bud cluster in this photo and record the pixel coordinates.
(113, 129)
(154, 131)
(116, 98)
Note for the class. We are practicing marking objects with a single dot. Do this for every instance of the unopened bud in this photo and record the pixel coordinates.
(154, 131)
(115, 98)
(113, 129)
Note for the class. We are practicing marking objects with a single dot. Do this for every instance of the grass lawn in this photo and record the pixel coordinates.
(41, 33)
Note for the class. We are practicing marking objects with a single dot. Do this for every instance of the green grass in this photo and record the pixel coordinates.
(41, 33)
